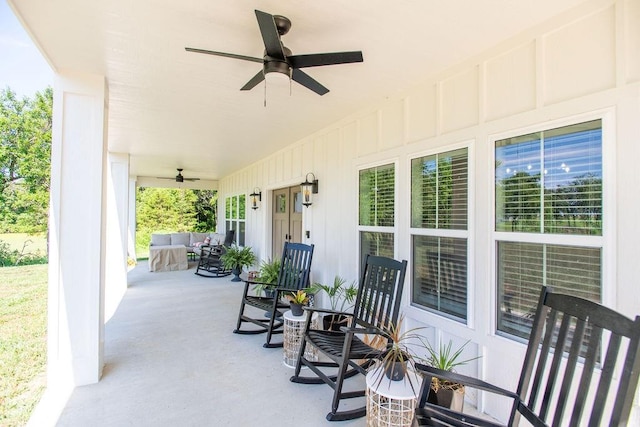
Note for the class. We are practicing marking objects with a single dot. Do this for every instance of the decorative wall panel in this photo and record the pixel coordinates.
(580, 58)
(510, 82)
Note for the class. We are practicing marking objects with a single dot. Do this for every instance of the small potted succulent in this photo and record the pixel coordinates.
(297, 300)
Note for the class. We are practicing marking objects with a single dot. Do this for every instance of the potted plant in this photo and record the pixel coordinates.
(340, 296)
(446, 393)
(297, 300)
(268, 275)
(399, 352)
(400, 355)
(236, 258)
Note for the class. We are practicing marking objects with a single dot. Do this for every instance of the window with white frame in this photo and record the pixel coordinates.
(235, 210)
(439, 205)
(376, 210)
(548, 219)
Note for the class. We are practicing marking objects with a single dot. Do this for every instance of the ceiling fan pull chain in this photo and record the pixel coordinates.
(265, 93)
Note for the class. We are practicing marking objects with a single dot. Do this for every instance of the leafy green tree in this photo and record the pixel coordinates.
(205, 208)
(25, 159)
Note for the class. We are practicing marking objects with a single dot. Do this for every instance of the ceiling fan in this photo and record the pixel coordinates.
(278, 58)
(179, 177)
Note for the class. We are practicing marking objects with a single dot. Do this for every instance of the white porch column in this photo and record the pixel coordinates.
(132, 219)
(77, 231)
(117, 231)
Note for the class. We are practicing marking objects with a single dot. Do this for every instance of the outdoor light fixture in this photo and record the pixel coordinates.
(256, 198)
(308, 188)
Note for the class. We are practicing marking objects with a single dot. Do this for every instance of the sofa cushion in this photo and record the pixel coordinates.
(197, 238)
(160, 239)
(180, 239)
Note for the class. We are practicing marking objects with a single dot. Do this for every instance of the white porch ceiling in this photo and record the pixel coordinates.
(169, 108)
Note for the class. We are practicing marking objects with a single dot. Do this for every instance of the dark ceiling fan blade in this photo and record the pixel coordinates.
(254, 81)
(227, 55)
(270, 36)
(319, 59)
(191, 179)
(307, 81)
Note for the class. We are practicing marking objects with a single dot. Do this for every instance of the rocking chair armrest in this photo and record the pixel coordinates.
(326, 311)
(430, 372)
(367, 330)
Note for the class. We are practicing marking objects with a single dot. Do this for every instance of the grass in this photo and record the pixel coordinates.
(23, 320)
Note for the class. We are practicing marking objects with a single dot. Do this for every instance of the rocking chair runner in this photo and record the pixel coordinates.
(209, 264)
(377, 305)
(295, 266)
(600, 351)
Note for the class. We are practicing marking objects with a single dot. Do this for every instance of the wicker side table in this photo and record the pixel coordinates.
(292, 336)
(391, 403)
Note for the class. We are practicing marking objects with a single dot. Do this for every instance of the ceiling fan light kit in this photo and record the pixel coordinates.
(278, 59)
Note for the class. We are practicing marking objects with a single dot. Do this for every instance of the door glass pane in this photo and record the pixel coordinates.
(281, 203)
(297, 201)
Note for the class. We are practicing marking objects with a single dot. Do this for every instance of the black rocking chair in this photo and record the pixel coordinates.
(575, 346)
(377, 305)
(295, 266)
(209, 264)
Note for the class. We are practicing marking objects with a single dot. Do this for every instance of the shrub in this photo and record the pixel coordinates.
(9, 257)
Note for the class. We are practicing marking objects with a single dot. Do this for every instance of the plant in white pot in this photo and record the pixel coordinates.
(341, 298)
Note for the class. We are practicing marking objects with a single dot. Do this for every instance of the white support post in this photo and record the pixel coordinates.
(117, 231)
(77, 230)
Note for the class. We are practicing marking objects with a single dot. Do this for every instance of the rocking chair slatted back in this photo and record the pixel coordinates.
(593, 340)
(581, 368)
(380, 290)
(295, 266)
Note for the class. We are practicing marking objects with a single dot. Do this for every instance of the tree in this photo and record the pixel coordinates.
(25, 159)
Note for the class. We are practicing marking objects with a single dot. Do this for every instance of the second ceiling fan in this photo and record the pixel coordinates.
(180, 177)
(278, 58)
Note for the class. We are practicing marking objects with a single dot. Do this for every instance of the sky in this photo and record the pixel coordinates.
(22, 67)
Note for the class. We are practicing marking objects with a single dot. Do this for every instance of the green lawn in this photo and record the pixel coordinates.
(23, 332)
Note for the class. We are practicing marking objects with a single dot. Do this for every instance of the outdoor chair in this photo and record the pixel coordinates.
(295, 266)
(581, 368)
(377, 305)
(209, 263)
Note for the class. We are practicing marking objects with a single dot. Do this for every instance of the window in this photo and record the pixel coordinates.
(235, 209)
(439, 205)
(548, 190)
(377, 210)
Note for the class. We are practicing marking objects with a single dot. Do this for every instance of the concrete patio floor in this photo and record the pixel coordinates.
(171, 359)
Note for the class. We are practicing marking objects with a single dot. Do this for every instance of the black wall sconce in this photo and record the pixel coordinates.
(256, 198)
(308, 188)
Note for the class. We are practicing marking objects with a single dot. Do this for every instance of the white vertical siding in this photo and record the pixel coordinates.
(582, 64)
